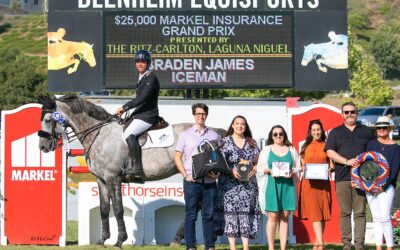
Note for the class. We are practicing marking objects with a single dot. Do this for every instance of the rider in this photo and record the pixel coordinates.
(145, 112)
(338, 39)
(56, 37)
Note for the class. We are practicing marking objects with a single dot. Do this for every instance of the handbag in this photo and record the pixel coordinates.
(207, 161)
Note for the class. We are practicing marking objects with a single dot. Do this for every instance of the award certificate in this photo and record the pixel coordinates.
(316, 171)
(280, 169)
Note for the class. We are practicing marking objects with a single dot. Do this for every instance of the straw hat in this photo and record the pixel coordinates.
(384, 121)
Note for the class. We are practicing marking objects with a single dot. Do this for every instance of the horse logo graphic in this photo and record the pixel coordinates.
(332, 54)
(63, 53)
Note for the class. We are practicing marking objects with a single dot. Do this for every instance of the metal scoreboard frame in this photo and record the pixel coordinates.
(201, 43)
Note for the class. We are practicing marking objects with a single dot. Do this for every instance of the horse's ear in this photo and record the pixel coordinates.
(91, 45)
(46, 101)
(42, 99)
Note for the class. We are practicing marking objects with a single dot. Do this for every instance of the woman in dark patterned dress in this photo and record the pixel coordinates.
(237, 213)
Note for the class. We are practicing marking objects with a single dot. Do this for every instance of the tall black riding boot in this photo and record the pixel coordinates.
(135, 171)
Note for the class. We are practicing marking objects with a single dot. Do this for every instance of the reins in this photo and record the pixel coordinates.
(70, 136)
(81, 136)
(84, 133)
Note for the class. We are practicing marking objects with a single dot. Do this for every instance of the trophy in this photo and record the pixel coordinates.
(244, 167)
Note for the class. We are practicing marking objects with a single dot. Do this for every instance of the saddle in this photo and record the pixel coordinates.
(160, 124)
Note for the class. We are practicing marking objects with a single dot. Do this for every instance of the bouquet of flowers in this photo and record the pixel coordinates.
(396, 226)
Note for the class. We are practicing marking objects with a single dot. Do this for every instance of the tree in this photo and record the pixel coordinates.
(385, 46)
(19, 81)
(15, 5)
(365, 80)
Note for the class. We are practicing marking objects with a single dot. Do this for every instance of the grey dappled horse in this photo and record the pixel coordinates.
(106, 152)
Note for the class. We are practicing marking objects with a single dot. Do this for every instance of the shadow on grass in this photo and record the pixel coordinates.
(5, 27)
(72, 242)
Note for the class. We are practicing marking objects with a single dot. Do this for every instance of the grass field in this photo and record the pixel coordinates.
(72, 244)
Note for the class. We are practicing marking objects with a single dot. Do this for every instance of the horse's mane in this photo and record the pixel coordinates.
(79, 105)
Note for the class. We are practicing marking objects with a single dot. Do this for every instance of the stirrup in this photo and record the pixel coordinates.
(128, 171)
(134, 179)
(132, 174)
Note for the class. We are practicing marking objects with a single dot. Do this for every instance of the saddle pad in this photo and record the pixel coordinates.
(161, 138)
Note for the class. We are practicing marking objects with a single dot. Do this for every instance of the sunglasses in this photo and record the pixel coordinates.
(381, 128)
(346, 112)
(277, 134)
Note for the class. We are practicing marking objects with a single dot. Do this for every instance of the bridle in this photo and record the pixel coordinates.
(49, 106)
(57, 119)
(53, 137)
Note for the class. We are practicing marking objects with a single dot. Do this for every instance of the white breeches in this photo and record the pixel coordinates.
(136, 128)
(380, 206)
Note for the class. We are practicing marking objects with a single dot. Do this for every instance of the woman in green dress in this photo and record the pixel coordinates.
(277, 176)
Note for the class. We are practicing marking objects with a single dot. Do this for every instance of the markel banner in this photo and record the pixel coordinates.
(33, 182)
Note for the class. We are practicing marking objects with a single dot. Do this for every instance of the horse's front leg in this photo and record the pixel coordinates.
(75, 67)
(114, 184)
(104, 197)
(320, 67)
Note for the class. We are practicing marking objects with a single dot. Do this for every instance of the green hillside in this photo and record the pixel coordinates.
(27, 33)
(365, 16)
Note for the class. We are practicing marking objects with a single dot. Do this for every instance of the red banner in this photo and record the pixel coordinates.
(299, 119)
(33, 188)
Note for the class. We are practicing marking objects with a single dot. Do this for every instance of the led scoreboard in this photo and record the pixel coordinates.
(192, 50)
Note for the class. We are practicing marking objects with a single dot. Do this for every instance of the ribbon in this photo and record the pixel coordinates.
(383, 172)
(58, 118)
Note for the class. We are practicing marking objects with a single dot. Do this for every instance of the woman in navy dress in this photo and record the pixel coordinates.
(380, 202)
(237, 213)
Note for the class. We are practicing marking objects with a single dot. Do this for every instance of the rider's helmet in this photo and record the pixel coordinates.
(143, 55)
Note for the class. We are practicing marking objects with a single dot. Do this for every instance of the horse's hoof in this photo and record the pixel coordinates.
(117, 245)
(175, 244)
(100, 243)
(121, 239)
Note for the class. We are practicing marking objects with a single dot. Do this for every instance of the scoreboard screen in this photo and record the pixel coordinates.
(194, 50)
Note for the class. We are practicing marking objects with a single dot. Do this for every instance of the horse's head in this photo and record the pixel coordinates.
(88, 55)
(51, 129)
(308, 55)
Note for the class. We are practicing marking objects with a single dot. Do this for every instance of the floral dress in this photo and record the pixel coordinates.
(237, 213)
